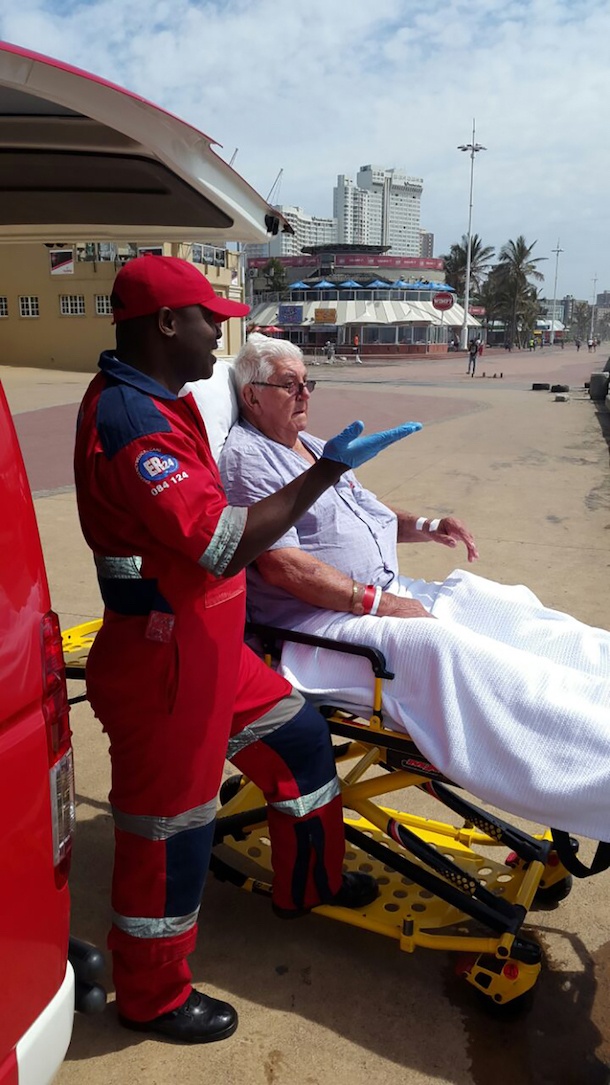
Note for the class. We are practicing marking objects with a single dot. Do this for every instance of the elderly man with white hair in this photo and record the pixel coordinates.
(506, 697)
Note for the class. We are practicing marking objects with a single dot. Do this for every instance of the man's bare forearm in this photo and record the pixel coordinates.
(272, 517)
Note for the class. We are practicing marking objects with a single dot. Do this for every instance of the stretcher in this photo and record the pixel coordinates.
(464, 886)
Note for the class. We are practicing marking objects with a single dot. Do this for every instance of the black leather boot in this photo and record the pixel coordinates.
(199, 1020)
(357, 891)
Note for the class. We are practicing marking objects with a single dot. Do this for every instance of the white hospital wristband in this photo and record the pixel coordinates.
(434, 525)
(376, 600)
(421, 523)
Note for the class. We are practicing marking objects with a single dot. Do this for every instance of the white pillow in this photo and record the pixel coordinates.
(217, 402)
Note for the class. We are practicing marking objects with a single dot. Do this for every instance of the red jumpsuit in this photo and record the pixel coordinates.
(177, 690)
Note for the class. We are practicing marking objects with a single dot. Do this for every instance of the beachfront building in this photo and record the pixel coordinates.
(352, 295)
(55, 308)
(307, 230)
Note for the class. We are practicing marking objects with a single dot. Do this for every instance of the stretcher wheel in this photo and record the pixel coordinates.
(556, 892)
(230, 788)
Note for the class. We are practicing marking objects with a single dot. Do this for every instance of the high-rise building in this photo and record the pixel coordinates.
(382, 208)
(556, 313)
(308, 230)
(603, 300)
(426, 243)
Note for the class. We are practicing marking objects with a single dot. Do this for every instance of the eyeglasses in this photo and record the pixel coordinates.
(294, 388)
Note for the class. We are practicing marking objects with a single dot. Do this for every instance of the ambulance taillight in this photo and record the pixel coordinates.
(61, 766)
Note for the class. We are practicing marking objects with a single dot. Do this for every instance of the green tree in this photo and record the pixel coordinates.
(275, 274)
(455, 263)
(515, 267)
(581, 320)
(492, 297)
(603, 327)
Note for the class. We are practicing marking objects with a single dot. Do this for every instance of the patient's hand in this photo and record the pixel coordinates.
(391, 606)
(451, 532)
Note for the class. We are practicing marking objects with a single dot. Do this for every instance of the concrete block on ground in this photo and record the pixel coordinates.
(562, 397)
(598, 385)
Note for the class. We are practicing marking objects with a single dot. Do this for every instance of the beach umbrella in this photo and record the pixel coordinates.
(298, 286)
(324, 285)
(351, 284)
(377, 284)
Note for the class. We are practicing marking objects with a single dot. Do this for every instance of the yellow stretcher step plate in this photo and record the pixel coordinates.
(403, 910)
(77, 641)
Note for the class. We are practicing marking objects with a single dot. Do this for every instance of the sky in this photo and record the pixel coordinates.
(323, 87)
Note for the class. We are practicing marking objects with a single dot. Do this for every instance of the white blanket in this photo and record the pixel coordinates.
(506, 697)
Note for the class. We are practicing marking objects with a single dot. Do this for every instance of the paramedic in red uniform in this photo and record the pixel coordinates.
(168, 675)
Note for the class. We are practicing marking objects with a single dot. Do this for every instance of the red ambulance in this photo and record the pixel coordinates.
(98, 164)
(82, 160)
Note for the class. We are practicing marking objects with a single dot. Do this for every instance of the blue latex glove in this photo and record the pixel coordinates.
(350, 448)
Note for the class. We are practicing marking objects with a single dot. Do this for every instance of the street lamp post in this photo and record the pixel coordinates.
(593, 303)
(556, 251)
(473, 148)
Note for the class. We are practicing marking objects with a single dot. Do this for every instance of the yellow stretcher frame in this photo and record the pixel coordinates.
(436, 888)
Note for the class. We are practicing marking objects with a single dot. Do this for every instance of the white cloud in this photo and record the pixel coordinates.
(323, 87)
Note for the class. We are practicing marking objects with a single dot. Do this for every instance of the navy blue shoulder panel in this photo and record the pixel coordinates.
(123, 414)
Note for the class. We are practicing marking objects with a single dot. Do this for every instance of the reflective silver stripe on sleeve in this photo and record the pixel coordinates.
(306, 804)
(225, 540)
(151, 927)
(281, 713)
(118, 568)
(161, 828)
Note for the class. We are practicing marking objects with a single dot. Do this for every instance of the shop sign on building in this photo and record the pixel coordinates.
(325, 316)
(290, 314)
(62, 261)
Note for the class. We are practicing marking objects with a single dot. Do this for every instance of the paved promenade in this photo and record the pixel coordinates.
(319, 1001)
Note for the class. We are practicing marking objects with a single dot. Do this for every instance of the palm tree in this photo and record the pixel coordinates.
(515, 267)
(455, 263)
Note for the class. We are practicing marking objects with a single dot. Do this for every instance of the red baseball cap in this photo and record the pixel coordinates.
(146, 284)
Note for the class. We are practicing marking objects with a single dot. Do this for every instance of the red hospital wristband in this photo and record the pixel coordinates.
(368, 598)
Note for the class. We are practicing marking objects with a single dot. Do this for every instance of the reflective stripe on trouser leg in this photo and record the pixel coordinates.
(293, 764)
(160, 869)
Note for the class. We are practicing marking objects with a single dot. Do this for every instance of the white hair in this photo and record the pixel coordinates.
(256, 359)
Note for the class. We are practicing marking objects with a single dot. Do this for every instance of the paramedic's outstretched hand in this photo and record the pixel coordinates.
(350, 448)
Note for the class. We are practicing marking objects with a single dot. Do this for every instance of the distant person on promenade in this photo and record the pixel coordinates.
(473, 350)
(590, 344)
(577, 345)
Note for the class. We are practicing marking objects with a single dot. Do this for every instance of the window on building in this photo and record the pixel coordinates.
(102, 305)
(3, 307)
(72, 304)
(197, 254)
(28, 305)
(220, 257)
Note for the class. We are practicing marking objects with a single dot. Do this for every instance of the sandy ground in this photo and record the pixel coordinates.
(320, 1001)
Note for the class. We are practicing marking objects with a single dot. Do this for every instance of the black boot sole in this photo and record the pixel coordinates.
(158, 1032)
(297, 913)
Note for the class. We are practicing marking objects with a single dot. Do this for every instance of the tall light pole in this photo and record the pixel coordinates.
(473, 148)
(593, 303)
(556, 251)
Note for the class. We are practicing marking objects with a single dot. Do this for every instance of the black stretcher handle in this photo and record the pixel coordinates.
(270, 635)
(567, 855)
